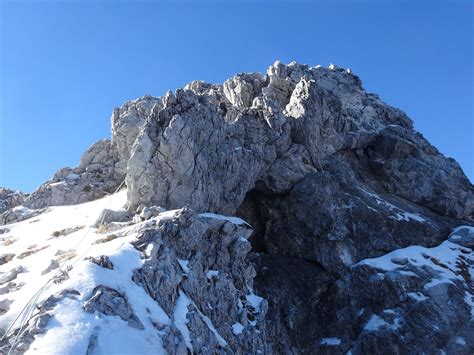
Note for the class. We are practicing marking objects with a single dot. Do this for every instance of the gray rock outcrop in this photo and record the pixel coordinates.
(209, 145)
(200, 266)
(111, 302)
(92, 179)
(350, 240)
(10, 198)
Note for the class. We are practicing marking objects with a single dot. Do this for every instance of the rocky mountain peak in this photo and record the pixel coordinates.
(343, 235)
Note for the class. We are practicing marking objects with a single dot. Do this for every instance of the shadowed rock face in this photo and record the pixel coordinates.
(328, 176)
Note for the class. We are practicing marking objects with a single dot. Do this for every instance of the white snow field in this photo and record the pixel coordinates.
(70, 330)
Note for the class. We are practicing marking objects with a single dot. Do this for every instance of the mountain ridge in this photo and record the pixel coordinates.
(329, 178)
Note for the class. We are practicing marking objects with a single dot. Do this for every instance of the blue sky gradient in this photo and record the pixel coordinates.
(66, 64)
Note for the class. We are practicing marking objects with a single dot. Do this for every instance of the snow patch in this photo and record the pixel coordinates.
(233, 220)
(212, 274)
(180, 318)
(417, 296)
(445, 259)
(330, 341)
(59, 183)
(255, 301)
(184, 265)
(237, 328)
(376, 322)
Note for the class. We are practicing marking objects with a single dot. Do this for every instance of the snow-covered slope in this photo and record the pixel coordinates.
(56, 265)
(37, 255)
(62, 278)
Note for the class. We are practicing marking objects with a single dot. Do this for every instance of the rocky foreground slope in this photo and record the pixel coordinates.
(350, 233)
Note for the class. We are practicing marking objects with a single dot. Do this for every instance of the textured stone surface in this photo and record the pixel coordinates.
(126, 125)
(112, 303)
(102, 261)
(415, 300)
(92, 179)
(335, 184)
(463, 236)
(10, 198)
(18, 214)
(429, 294)
(10, 275)
(332, 219)
(108, 216)
(208, 145)
(204, 261)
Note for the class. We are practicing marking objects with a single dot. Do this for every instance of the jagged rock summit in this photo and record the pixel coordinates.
(350, 242)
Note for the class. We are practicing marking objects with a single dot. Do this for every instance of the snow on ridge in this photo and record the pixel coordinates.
(399, 214)
(457, 229)
(447, 252)
(234, 220)
(446, 259)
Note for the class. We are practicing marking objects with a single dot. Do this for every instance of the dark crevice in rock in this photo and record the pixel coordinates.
(250, 211)
(293, 288)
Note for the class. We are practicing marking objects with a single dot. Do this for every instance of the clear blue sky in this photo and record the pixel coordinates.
(66, 64)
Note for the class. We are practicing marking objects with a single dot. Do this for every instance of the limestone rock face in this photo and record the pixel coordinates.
(381, 305)
(126, 125)
(111, 302)
(208, 145)
(92, 179)
(10, 199)
(198, 265)
(333, 218)
(346, 237)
